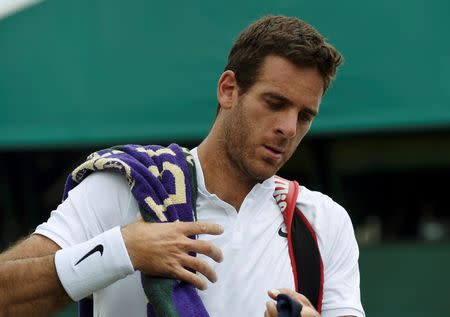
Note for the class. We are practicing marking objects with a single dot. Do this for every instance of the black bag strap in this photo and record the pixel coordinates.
(304, 253)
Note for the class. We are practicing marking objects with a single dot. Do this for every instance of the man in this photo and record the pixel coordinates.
(269, 94)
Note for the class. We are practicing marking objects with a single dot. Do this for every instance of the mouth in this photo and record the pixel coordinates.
(275, 153)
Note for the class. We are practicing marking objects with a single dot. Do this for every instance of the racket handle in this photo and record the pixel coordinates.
(287, 307)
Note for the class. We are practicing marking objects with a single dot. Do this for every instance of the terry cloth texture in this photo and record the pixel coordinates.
(163, 181)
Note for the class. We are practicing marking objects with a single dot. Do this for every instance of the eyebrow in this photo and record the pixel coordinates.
(280, 98)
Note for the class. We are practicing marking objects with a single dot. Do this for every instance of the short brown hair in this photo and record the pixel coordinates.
(288, 37)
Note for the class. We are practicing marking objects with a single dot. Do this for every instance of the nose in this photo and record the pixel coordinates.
(287, 124)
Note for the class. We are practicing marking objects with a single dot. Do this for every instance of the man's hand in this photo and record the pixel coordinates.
(308, 309)
(161, 249)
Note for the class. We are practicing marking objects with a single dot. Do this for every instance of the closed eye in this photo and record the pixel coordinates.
(305, 116)
(275, 101)
(275, 105)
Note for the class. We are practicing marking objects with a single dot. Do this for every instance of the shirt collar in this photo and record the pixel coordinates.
(268, 184)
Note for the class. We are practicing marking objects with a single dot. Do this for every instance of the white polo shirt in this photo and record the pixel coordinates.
(256, 257)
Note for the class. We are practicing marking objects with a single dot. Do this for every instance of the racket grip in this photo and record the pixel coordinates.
(287, 307)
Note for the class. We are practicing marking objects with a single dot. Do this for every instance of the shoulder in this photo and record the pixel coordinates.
(100, 202)
(103, 182)
(108, 194)
(321, 209)
(330, 221)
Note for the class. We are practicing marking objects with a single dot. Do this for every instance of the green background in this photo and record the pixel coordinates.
(83, 72)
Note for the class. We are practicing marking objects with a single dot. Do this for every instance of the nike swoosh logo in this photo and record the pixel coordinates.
(281, 233)
(97, 248)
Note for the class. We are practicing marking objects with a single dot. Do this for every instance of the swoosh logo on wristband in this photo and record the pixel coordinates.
(97, 248)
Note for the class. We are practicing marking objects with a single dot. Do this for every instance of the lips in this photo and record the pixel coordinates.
(274, 149)
(275, 153)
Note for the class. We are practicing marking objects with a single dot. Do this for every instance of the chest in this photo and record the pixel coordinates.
(256, 257)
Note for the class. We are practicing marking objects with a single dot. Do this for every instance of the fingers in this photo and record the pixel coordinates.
(304, 301)
(200, 246)
(162, 249)
(200, 266)
(271, 310)
(194, 228)
(192, 278)
(309, 312)
(207, 248)
(308, 309)
(273, 293)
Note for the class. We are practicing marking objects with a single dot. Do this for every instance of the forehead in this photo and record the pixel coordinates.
(303, 86)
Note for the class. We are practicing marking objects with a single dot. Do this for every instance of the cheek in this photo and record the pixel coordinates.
(296, 142)
(251, 129)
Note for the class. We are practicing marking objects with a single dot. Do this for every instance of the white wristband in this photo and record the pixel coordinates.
(92, 265)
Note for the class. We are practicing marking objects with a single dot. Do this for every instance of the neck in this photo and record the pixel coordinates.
(222, 176)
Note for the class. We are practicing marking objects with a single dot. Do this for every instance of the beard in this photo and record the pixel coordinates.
(241, 146)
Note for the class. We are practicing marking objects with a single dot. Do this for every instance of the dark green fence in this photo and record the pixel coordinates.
(406, 280)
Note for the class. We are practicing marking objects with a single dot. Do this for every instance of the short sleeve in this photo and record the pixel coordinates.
(100, 202)
(341, 271)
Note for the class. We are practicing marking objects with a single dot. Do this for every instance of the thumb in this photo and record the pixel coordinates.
(273, 293)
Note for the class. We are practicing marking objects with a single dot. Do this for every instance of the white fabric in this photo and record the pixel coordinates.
(255, 257)
(94, 264)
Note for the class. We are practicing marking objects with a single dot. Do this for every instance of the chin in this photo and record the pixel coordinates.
(261, 172)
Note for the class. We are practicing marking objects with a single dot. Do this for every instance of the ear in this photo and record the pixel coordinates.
(227, 89)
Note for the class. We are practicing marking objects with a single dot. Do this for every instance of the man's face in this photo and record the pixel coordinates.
(266, 124)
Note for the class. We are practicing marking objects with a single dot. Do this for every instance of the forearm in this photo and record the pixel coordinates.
(30, 287)
(37, 308)
(35, 281)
